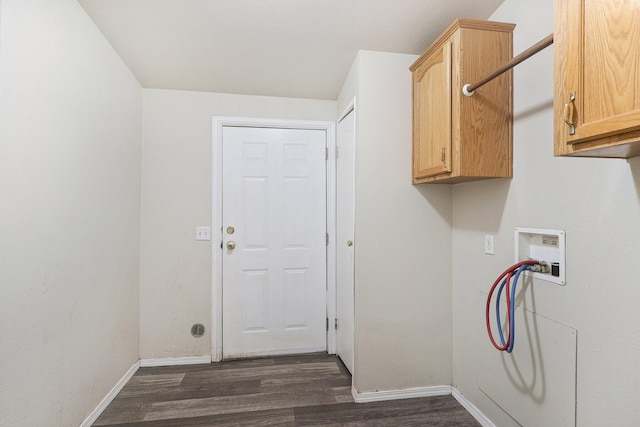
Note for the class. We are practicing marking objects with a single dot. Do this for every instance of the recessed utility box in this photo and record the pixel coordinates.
(542, 245)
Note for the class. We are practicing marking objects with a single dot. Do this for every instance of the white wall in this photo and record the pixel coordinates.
(70, 136)
(175, 276)
(402, 239)
(596, 201)
(70, 131)
(350, 86)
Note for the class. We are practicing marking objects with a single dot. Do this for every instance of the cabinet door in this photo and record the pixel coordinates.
(597, 71)
(432, 115)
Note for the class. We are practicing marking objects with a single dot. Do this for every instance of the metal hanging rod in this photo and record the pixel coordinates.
(547, 41)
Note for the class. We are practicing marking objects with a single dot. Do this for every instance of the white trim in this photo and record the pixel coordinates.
(350, 107)
(332, 248)
(472, 409)
(216, 200)
(216, 262)
(93, 416)
(407, 393)
(443, 390)
(175, 361)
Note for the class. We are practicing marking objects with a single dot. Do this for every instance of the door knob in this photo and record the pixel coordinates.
(349, 243)
(231, 245)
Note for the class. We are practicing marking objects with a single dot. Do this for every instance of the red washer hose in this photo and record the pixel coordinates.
(508, 273)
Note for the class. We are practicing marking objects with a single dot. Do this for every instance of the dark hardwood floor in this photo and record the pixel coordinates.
(306, 390)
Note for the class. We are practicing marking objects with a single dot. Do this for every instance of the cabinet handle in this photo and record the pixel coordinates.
(567, 120)
(443, 157)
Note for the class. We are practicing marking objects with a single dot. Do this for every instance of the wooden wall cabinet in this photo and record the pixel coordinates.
(458, 138)
(597, 78)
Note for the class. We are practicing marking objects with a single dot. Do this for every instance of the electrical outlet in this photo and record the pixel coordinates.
(203, 233)
(488, 244)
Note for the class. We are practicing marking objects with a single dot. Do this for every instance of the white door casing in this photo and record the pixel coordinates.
(345, 213)
(271, 186)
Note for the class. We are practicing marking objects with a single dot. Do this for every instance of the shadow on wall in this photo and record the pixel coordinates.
(479, 206)
(634, 164)
(536, 383)
(533, 110)
(439, 197)
(532, 384)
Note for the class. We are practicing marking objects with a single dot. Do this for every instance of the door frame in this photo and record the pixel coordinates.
(219, 122)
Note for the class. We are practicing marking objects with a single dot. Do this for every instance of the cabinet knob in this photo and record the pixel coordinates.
(569, 116)
(349, 243)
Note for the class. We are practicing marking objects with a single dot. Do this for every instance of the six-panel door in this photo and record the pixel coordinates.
(274, 273)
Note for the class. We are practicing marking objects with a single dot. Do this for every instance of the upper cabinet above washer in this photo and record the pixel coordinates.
(597, 78)
(458, 138)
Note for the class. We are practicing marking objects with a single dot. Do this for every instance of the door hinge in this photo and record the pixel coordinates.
(335, 325)
(327, 239)
(327, 324)
(336, 151)
(326, 153)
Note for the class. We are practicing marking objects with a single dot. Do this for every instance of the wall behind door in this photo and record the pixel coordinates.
(175, 272)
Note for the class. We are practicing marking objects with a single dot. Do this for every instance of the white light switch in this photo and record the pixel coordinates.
(488, 244)
(203, 233)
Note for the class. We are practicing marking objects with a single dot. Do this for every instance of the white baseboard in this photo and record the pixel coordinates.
(407, 393)
(169, 361)
(174, 361)
(443, 390)
(110, 396)
(472, 409)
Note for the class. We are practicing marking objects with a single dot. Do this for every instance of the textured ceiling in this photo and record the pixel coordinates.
(290, 48)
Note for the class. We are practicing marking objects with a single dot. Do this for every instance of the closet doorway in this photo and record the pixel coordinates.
(345, 214)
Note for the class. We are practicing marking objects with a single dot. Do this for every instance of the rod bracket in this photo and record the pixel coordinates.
(465, 90)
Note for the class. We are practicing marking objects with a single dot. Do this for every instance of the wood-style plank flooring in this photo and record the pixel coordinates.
(291, 391)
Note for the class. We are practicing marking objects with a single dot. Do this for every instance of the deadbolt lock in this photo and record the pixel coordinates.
(231, 245)
(230, 230)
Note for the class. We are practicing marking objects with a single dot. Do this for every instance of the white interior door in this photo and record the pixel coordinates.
(274, 247)
(345, 244)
